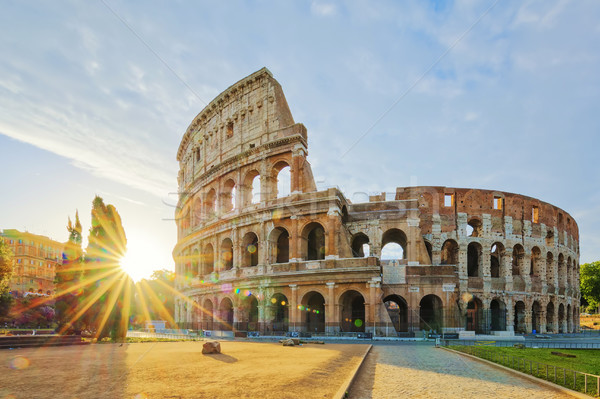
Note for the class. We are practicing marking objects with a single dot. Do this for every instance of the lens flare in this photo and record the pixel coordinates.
(358, 323)
(273, 300)
(277, 215)
(141, 395)
(467, 297)
(19, 363)
(252, 248)
(282, 303)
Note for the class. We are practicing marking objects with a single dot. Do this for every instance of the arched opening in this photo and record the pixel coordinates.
(498, 315)
(429, 249)
(360, 245)
(550, 317)
(227, 254)
(518, 257)
(474, 228)
(207, 315)
(250, 250)
(561, 270)
(474, 259)
(228, 196)
(474, 315)
(450, 253)
(352, 312)
(280, 311)
(208, 261)
(226, 314)
(520, 326)
(314, 241)
(431, 313)
(568, 272)
(195, 263)
(197, 211)
(536, 317)
(313, 305)
(280, 245)
(561, 319)
(536, 260)
(252, 189)
(497, 252)
(397, 309)
(210, 205)
(393, 243)
(569, 319)
(250, 309)
(283, 178)
(550, 268)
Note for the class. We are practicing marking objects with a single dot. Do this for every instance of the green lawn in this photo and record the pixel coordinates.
(525, 360)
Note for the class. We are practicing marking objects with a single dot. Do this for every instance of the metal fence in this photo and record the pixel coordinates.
(551, 344)
(143, 334)
(573, 379)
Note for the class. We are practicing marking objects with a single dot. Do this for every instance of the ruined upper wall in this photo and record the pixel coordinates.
(248, 114)
(498, 204)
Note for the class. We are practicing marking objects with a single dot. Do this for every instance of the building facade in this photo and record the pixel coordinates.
(36, 260)
(261, 249)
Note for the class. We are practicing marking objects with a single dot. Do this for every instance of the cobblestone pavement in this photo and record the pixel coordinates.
(423, 371)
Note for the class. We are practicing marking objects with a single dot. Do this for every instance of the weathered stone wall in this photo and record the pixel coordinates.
(469, 259)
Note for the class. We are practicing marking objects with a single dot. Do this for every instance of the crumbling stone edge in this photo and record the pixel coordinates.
(345, 388)
(541, 381)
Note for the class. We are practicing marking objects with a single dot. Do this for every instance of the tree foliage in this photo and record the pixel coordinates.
(590, 283)
(6, 270)
(108, 289)
(154, 299)
(68, 281)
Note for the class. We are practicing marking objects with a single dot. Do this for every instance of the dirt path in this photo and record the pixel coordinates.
(177, 370)
(422, 371)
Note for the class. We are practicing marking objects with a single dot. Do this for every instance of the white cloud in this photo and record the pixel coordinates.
(323, 9)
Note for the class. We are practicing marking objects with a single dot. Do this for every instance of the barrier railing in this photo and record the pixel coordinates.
(143, 334)
(552, 344)
(573, 379)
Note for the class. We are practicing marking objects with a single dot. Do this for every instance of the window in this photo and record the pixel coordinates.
(535, 214)
(197, 154)
(497, 202)
(229, 130)
(20, 241)
(448, 200)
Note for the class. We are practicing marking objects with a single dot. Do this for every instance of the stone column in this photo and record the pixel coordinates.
(298, 156)
(542, 320)
(293, 315)
(294, 240)
(332, 317)
(510, 314)
(332, 233)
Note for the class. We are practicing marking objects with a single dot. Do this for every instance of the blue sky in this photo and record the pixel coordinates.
(95, 97)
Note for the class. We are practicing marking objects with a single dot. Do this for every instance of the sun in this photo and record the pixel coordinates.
(138, 260)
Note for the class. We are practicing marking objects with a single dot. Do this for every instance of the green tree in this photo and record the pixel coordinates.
(108, 288)
(590, 283)
(154, 298)
(6, 269)
(68, 281)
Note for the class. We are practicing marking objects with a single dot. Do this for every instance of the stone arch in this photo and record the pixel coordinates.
(520, 325)
(474, 260)
(568, 272)
(397, 309)
(208, 259)
(518, 258)
(450, 252)
(550, 317)
(313, 306)
(207, 315)
(226, 314)
(431, 313)
(569, 319)
(536, 262)
(250, 250)
(352, 311)
(279, 242)
(498, 315)
(396, 242)
(282, 179)
(249, 309)
(496, 259)
(561, 270)
(197, 210)
(536, 316)
(313, 241)
(228, 196)
(360, 243)
(429, 249)
(226, 261)
(561, 318)
(251, 192)
(210, 204)
(550, 268)
(195, 263)
(475, 320)
(474, 227)
(280, 312)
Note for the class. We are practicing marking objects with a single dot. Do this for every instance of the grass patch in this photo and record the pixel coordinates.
(541, 363)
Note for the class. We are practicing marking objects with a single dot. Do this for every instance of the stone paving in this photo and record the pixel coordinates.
(423, 371)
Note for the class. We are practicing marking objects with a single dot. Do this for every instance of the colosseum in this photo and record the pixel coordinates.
(260, 249)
